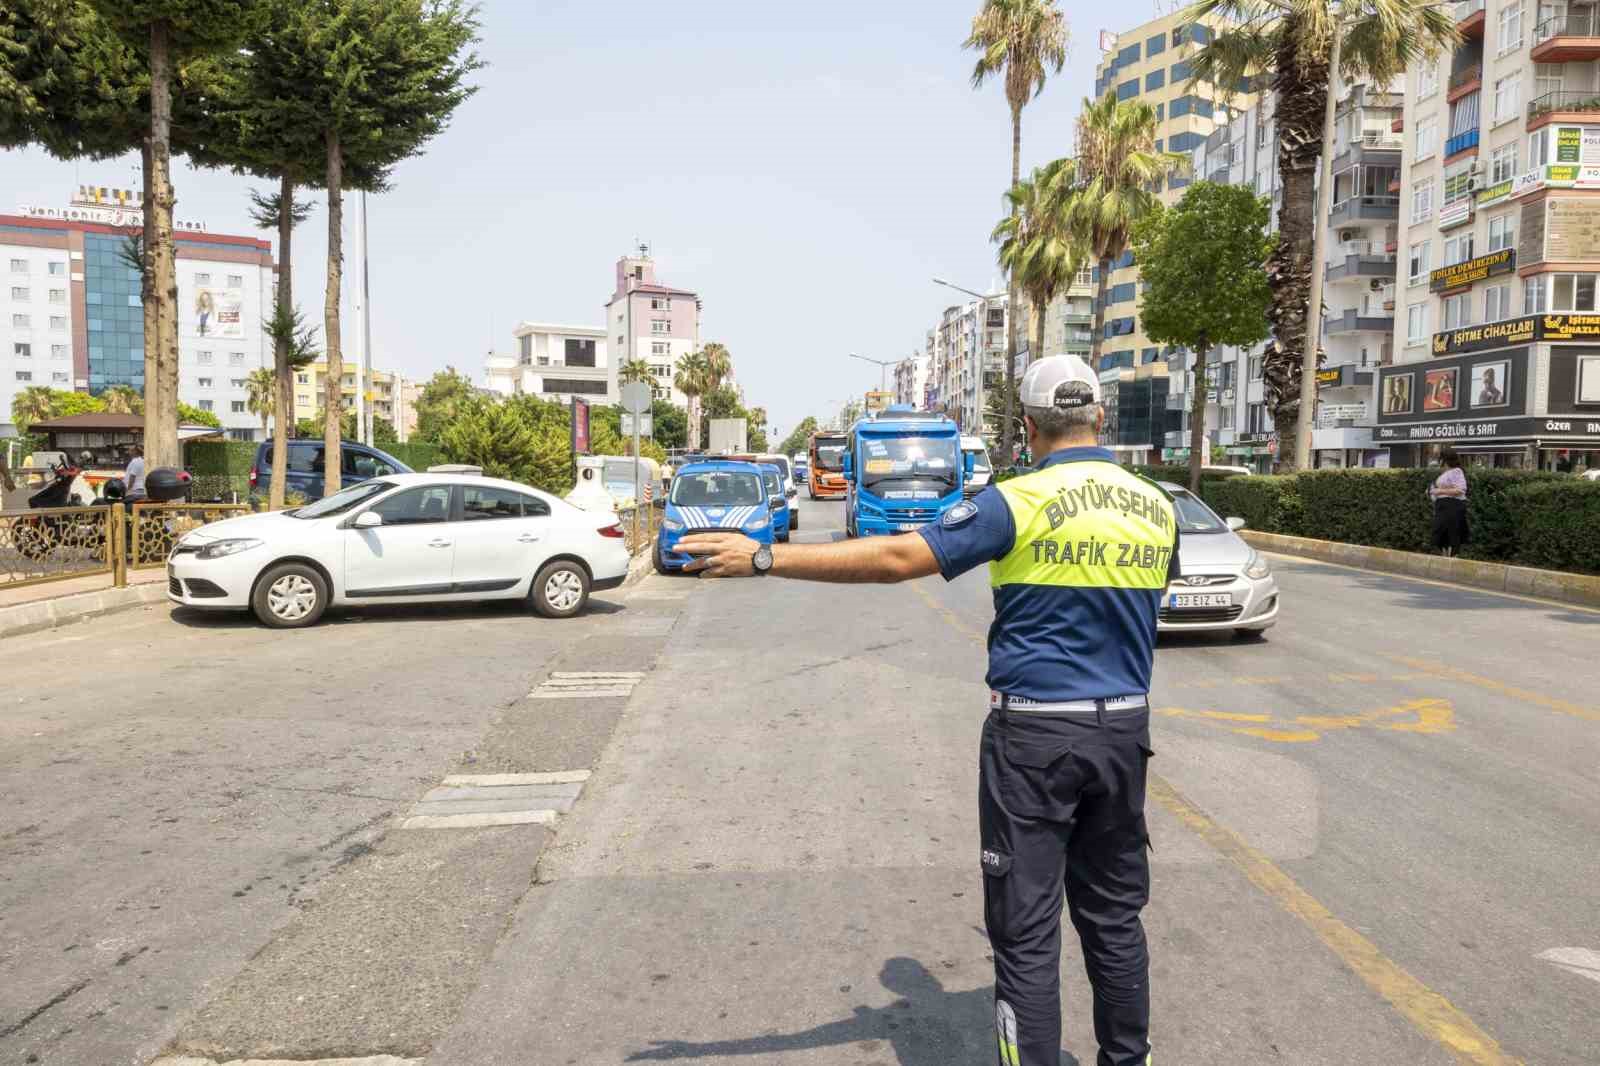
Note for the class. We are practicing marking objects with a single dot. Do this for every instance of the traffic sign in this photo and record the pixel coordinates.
(636, 397)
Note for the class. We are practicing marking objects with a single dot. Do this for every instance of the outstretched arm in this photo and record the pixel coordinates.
(870, 559)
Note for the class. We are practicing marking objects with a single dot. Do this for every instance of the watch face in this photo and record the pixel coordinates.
(762, 560)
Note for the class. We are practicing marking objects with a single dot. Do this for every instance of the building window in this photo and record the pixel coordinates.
(1416, 323)
(1510, 28)
(299, 379)
(237, 383)
(19, 266)
(1256, 363)
(24, 375)
(1456, 311)
(236, 359)
(1458, 182)
(237, 407)
(1161, 111)
(1508, 98)
(1457, 250)
(57, 269)
(1533, 296)
(58, 351)
(1502, 232)
(1427, 137)
(202, 279)
(207, 405)
(660, 303)
(235, 281)
(22, 350)
(660, 325)
(20, 293)
(1427, 80)
(579, 352)
(203, 383)
(58, 322)
(1503, 163)
(661, 348)
(1572, 292)
(59, 377)
(58, 296)
(1538, 150)
(1182, 71)
(622, 342)
(1155, 45)
(1422, 200)
(580, 386)
(1548, 78)
(20, 321)
(1154, 80)
(1418, 260)
(1496, 303)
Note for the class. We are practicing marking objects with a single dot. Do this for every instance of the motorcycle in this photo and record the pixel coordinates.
(36, 536)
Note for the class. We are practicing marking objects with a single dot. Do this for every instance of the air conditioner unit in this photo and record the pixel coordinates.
(1349, 235)
(1375, 284)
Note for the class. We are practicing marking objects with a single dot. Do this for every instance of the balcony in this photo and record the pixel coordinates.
(1355, 208)
(1360, 259)
(1570, 38)
(1372, 147)
(1076, 319)
(1470, 19)
(1550, 106)
(1461, 142)
(1465, 82)
(1351, 320)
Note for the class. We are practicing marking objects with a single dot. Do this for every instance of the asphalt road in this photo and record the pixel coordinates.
(1374, 834)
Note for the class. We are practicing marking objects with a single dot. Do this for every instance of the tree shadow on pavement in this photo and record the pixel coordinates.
(1421, 596)
(926, 1026)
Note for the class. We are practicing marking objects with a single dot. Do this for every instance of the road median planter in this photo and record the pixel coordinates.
(1580, 589)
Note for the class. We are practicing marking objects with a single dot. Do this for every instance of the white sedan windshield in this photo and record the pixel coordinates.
(343, 500)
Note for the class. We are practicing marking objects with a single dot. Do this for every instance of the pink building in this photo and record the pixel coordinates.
(651, 321)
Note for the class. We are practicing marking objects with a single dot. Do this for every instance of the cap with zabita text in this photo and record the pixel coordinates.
(1060, 381)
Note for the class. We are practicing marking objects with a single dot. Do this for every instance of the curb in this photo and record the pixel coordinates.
(1580, 589)
(25, 618)
(639, 566)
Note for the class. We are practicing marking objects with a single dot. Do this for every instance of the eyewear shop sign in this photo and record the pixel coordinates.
(1488, 429)
(1515, 331)
(1464, 274)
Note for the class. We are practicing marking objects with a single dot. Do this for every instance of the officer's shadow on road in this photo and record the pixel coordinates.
(927, 1026)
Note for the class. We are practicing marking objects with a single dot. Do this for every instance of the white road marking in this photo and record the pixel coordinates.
(578, 694)
(475, 821)
(1585, 962)
(594, 675)
(371, 1060)
(559, 777)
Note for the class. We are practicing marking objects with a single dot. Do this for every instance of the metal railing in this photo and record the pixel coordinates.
(56, 544)
(1572, 24)
(155, 527)
(640, 526)
(1563, 100)
(1465, 76)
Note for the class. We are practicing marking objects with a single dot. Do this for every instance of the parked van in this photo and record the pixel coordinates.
(357, 462)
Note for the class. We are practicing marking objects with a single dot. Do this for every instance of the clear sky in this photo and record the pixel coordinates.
(807, 168)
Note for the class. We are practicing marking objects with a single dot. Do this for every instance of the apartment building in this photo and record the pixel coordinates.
(911, 380)
(1151, 62)
(1068, 323)
(967, 360)
(555, 362)
(1358, 291)
(386, 390)
(1498, 337)
(649, 320)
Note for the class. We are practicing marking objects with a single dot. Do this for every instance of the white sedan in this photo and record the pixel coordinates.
(1226, 584)
(405, 538)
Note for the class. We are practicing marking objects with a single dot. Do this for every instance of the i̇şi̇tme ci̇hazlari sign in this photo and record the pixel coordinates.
(1513, 331)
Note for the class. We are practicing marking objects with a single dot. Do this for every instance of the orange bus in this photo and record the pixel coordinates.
(825, 471)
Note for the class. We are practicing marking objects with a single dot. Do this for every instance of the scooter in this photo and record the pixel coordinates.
(36, 536)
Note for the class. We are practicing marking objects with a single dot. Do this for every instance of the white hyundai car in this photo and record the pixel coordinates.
(403, 538)
(1226, 584)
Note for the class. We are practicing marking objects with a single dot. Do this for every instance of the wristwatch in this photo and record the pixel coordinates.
(761, 561)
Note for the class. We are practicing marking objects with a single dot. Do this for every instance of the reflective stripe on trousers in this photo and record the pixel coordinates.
(1061, 812)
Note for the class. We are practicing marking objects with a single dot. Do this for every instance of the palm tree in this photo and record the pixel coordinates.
(123, 400)
(691, 381)
(719, 366)
(33, 404)
(1021, 40)
(1292, 42)
(261, 395)
(634, 369)
(1037, 243)
(1118, 168)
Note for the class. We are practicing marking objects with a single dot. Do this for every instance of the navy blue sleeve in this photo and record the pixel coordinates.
(973, 532)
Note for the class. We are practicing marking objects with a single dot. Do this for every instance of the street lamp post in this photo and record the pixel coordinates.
(883, 367)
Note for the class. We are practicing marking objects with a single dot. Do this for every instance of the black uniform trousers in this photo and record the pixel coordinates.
(1061, 808)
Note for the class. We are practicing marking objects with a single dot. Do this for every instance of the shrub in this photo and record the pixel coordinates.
(1558, 523)
(418, 455)
(1269, 504)
(220, 457)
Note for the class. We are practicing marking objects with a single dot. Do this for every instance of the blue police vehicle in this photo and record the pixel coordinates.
(712, 497)
(778, 500)
(903, 468)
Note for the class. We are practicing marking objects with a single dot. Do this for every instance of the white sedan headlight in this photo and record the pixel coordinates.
(232, 546)
(1256, 568)
(672, 524)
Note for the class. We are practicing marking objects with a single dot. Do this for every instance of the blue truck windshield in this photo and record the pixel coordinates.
(925, 460)
(717, 488)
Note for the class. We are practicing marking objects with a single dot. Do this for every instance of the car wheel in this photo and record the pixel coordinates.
(290, 596)
(561, 589)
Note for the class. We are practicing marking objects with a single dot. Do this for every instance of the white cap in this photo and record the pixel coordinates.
(1060, 381)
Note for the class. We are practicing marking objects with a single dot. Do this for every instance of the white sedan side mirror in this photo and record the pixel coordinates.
(1236, 524)
(368, 520)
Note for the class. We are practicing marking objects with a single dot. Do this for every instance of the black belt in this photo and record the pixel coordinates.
(1110, 705)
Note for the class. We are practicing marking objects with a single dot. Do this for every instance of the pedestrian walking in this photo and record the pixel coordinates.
(1449, 496)
(1080, 552)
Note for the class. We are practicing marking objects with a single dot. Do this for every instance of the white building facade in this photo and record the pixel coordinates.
(911, 380)
(657, 323)
(71, 316)
(555, 362)
(967, 358)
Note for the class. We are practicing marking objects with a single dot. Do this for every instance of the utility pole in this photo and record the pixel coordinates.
(363, 404)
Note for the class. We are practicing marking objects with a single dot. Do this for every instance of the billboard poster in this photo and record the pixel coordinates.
(1569, 144)
(1488, 384)
(1397, 394)
(580, 426)
(1439, 390)
(218, 312)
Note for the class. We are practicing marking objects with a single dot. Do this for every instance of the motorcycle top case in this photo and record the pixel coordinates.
(165, 484)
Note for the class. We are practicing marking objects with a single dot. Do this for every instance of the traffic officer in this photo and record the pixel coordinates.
(1080, 552)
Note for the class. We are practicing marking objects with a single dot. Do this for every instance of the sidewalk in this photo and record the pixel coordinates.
(54, 603)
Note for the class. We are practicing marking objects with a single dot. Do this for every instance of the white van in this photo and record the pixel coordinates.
(982, 471)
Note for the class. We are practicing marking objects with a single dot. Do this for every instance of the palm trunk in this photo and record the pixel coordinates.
(283, 373)
(161, 433)
(333, 393)
(1300, 91)
(1197, 418)
(1007, 434)
(1038, 352)
(147, 296)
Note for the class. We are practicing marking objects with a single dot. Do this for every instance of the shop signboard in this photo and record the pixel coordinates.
(1572, 229)
(1463, 274)
(1530, 234)
(1328, 378)
(1511, 332)
(1495, 193)
(1487, 429)
(1529, 182)
(1569, 144)
(1455, 213)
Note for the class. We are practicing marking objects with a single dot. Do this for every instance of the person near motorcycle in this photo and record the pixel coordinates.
(133, 477)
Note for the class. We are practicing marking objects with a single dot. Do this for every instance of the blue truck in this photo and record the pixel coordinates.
(903, 469)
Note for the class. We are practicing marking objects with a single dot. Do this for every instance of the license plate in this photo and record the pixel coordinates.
(1201, 599)
(908, 527)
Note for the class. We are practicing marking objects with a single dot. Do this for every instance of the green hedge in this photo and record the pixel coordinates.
(219, 457)
(1526, 517)
(418, 455)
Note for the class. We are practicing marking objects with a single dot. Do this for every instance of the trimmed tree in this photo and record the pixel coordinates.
(1202, 264)
(443, 399)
